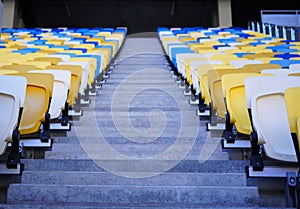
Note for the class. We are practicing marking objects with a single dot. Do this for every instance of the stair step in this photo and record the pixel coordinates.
(105, 178)
(86, 151)
(119, 206)
(119, 141)
(210, 166)
(166, 195)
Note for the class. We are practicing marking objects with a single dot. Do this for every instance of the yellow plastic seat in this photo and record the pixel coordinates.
(38, 95)
(105, 53)
(292, 99)
(13, 60)
(215, 83)
(225, 58)
(187, 63)
(259, 55)
(60, 91)
(19, 68)
(203, 80)
(4, 71)
(235, 100)
(37, 64)
(52, 60)
(259, 67)
(294, 74)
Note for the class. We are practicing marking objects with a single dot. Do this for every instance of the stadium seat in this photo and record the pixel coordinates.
(267, 109)
(84, 87)
(58, 104)
(12, 97)
(73, 96)
(291, 96)
(20, 67)
(241, 62)
(280, 72)
(35, 113)
(237, 121)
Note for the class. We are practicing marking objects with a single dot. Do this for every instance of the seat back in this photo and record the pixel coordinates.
(198, 67)
(292, 99)
(187, 66)
(52, 60)
(85, 66)
(62, 57)
(215, 83)
(98, 60)
(180, 59)
(241, 62)
(203, 79)
(294, 74)
(61, 87)
(12, 97)
(280, 72)
(264, 96)
(294, 66)
(235, 100)
(76, 74)
(259, 67)
(20, 68)
(38, 64)
(92, 62)
(38, 94)
(4, 72)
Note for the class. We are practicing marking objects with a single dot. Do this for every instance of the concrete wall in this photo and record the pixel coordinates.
(11, 14)
(224, 12)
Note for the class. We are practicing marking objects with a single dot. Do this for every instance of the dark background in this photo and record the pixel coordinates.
(141, 15)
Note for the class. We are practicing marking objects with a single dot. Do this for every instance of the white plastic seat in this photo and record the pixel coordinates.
(194, 73)
(242, 62)
(12, 98)
(295, 66)
(64, 57)
(264, 95)
(280, 72)
(180, 59)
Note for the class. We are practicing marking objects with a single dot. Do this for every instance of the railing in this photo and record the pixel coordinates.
(279, 31)
(290, 18)
(278, 23)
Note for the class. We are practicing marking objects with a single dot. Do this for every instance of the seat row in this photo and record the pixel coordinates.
(46, 75)
(247, 86)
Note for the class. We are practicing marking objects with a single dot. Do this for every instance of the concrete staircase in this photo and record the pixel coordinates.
(140, 144)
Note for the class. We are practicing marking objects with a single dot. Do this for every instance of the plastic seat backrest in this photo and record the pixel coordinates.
(93, 65)
(292, 99)
(241, 62)
(76, 73)
(60, 90)
(52, 60)
(19, 68)
(265, 97)
(235, 100)
(85, 66)
(12, 94)
(38, 94)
